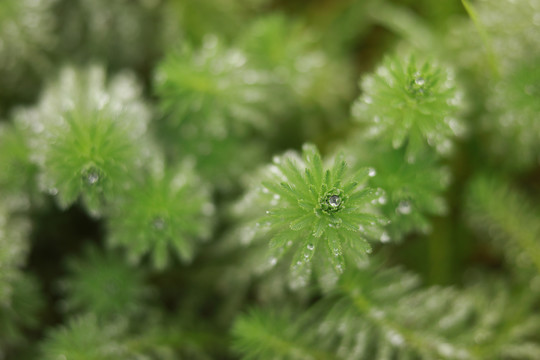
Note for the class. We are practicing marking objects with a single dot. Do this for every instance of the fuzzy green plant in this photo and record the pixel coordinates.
(213, 103)
(507, 32)
(194, 19)
(212, 90)
(513, 113)
(87, 136)
(26, 34)
(157, 201)
(104, 285)
(122, 33)
(384, 314)
(315, 86)
(17, 173)
(413, 190)
(323, 215)
(21, 313)
(412, 102)
(506, 216)
(84, 338)
(169, 211)
(14, 232)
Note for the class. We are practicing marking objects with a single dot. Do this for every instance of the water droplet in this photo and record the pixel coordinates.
(336, 251)
(372, 172)
(310, 247)
(385, 237)
(334, 201)
(361, 228)
(289, 243)
(272, 261)
(382, 200)
(92, 177)
(404, 207)
(159, 223)
(369, 251)
(420, 81)
(53, 191)
(276, 160)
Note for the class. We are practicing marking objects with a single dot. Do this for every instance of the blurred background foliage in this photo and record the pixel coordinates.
(135, 134)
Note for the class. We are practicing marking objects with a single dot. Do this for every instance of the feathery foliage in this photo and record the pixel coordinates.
(121, 33)
(26, 33)
(508, 218)
(13, 248)
(413, 190)
(87, 136)
(320, 214)
(162, 196)
(17, 172)
(210, 89)
(168, 211)
(85, 339)
(383, 314)
(513, 113)
(313, 86)
(21, 312)
(410, 102)
(103, 285)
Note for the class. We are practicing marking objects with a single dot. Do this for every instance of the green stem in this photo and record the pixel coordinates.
(490, 53)
(441, 253)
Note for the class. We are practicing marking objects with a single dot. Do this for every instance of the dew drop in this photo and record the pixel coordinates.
(272, 261)
(334, 201)
(382, 200)
(361, 228)
(420, 81)
(53, 191)
(310, 247)
(92, 177)
(159, 223)
(385, 237)
(404, 207)
(372, 172)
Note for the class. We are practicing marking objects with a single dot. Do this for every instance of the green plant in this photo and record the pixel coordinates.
(202, 179)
